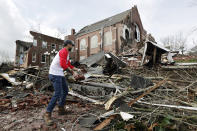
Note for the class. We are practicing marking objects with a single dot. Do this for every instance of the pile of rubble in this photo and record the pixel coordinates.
(117, 96)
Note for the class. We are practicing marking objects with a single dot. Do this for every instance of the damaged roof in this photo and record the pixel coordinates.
(33, 33)
(24, 43)
(103, 23)
(159, 46)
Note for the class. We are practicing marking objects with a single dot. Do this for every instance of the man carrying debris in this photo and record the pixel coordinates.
(60, 63)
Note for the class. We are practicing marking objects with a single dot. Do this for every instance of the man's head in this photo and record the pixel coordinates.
(69, 44)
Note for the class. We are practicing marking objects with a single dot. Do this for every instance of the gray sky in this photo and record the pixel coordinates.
(159, 17)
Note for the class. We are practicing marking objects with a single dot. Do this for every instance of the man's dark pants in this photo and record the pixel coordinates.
(61, 91)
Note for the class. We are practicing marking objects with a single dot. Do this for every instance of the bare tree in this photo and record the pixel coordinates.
(181, 42)
(4, 57)
(175, 42)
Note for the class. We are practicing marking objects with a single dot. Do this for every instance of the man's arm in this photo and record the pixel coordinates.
(63, 58)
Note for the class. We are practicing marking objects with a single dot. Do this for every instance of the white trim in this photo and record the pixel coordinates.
(32, 57)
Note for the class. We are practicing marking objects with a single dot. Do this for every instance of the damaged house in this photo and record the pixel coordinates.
(112, 34)
(40, 52)
(122, 35)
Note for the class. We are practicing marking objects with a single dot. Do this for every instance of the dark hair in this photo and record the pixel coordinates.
(66, 42)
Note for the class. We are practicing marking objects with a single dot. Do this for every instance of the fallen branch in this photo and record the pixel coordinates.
(85, 98)
(105, 85)
(104, 123)
(147, 92)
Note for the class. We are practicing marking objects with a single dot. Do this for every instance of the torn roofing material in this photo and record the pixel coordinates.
(103, 23)
(24, 43)
(93, 59)
(163, 49)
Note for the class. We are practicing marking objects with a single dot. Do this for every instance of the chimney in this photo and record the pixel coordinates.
(72, 31)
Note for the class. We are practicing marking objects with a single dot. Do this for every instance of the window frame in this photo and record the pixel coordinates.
(107, 40)
(44, 42)
(138, 33)
(84, 45)
(91, 39)
(59, 46)
(35, 42)
(52, 46)
(33, 57)
(45, 58)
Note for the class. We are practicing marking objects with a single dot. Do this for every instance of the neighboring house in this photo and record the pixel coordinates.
(115, 34)
(110, 35)
(40, 52)
(22, 48)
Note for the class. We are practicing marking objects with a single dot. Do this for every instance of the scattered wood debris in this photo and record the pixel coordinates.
(139, 98)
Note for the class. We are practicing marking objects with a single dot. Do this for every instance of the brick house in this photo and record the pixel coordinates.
(115, 34)
(22, 48)
(110, 34)
(40, 52)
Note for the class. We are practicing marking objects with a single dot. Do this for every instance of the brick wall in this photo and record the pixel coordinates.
(39, 50)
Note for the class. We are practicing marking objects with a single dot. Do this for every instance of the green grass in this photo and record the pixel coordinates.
(186, 61)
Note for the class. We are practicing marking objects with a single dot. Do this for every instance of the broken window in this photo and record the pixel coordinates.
(33, 57)
(60, 46)
(34, 42)
(43, 59)
(21, 49)
(44, 44)
(53, 46)
(83, 44)
(127, 34)
(137, 33)
(94, 41)
(108, 38)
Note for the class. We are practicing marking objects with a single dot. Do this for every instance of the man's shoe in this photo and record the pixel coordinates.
(47, 118)
(61, 110)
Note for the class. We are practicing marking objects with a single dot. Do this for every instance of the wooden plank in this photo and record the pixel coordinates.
(147, 92)
(104, 123)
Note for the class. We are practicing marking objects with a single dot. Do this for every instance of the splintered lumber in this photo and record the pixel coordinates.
(171, 106)
(93, 59)
(119, 62)
(10, 79)
(105, 85)
(85, 98)
(190, 85)
(147, 92)
(104, 123)
(111, 100)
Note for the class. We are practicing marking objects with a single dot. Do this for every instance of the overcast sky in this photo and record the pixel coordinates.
(53, 17)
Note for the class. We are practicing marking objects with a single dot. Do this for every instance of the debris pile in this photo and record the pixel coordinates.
(161, 98)
(143, 99)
